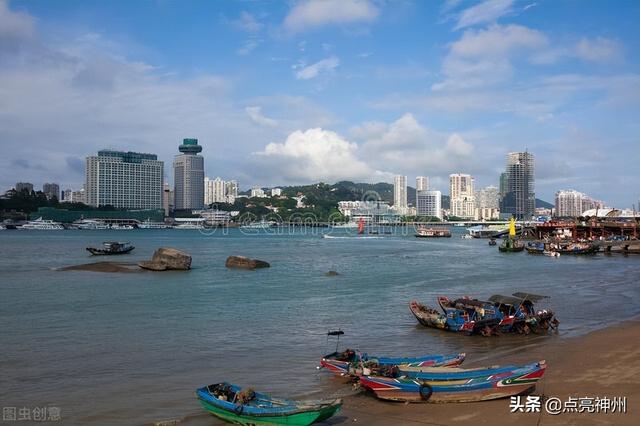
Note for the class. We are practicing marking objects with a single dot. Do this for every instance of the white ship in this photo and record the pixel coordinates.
(121, 227)
(42, 225)
(147, 224)
(90, 224)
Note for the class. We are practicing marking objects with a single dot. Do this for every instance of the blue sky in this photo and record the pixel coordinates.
(299, 91)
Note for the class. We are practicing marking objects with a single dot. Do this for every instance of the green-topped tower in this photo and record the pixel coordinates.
(188, 170)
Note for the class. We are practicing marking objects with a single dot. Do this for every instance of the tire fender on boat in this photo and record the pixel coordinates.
(425, 391)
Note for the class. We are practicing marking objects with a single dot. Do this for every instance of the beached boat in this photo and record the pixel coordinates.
(244, 406)
(424, 232)
(350, 362)
(501, 385)
(455, 318)
(111, 248)
(526, 319)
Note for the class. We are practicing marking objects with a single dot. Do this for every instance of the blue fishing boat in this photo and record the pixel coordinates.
(503, 384)
(526, 319)
(244, 406)
(351, 362)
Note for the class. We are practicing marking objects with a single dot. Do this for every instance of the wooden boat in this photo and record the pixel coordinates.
(456, 317)
(423, 232)
(526, 319)
(350, 362)
(110, 248)
(450, 375)
(501, 385)
(244, 406)
(574, 248)
(510, 244)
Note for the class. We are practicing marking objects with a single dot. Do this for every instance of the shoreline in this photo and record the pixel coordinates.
(601, 363)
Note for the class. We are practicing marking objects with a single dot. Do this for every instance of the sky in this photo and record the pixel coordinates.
(295, 92)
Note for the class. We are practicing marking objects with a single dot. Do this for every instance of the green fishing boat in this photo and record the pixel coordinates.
(246, 407)
(510, 243)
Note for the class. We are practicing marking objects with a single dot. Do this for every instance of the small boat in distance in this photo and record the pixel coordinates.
(492, 242)
(244, 406)
(117, 227)
(424, 232)
(148, 224)
(510, 244)
(111, 248)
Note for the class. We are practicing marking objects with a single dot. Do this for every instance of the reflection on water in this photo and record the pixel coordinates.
(143, 342)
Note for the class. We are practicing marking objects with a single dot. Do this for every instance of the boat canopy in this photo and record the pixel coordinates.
(530, 296)
(471, 302)
(507, 300)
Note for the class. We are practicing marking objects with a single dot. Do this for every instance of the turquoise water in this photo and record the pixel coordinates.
(131, 348)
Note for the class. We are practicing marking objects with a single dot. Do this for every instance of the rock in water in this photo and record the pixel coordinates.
(245, 263)
(166, 258)
(332, 274)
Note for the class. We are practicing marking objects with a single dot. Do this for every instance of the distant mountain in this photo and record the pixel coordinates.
(541, 204)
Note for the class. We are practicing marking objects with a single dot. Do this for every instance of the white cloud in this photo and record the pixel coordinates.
(316, 154)
(248, 23)
(314, 70)
(498, 41)
(311, 14)
(15, 26)
(599, 49)
(487, 11)
(255, 113)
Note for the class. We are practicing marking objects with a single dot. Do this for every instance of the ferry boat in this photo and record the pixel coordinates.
(147, 224)
(487, 231)
(423, 232)
(90, 224)
(42, 225)
(263, 224)
(117, 227)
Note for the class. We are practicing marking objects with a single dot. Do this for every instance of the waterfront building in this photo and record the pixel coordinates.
(461, 194)
(66, 195)
(374, 212)
(429, 203)
(400, 194)
(276, 192)
(571, 203)
(51, 190)
(128, 180)
(167, 200)
(24, 186)
(79, 196)
(258, 192)
(486, 213)
(519, 199)
(215, 217)
(188, 169)
(422, 183)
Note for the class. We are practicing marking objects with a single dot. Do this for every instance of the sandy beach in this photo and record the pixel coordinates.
(604, 363)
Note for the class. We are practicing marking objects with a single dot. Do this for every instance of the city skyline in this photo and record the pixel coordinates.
(283, 93)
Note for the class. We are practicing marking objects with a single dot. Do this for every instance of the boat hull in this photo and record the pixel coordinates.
(343, 368)
(519, 381)
(306, 418)
(102, 252)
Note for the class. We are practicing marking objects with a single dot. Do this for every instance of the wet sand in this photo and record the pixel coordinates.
(604, 363)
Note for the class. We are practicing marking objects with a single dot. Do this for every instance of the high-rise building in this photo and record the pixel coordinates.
(571, 203)
(231, 191)
(128, 180)
(24, 186)
(422, 183)
(463, 202)
(258, 192)
(276, 192)
(488, 198)
(167, 199)
(429, 203)
(400, 194)
(51, 190)
(519, 199)
(188, 169)
(503, 184)
(214, 191)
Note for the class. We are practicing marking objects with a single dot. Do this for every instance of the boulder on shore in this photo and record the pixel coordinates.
(166, 258)
(245, 263)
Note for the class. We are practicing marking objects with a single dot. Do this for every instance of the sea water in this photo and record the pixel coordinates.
(130, 348)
